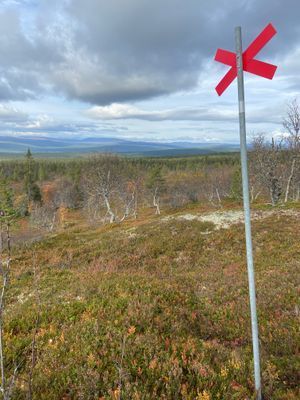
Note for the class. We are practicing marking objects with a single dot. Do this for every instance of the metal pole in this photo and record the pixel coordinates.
(250, 266)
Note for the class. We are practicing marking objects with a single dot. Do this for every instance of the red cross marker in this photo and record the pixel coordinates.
(249, 63)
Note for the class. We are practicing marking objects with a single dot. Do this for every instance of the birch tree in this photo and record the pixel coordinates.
(156, 184)
(291, 123)
(266, 165)
(102, 182)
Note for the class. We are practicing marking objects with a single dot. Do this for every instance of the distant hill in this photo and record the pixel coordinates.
(39, 144)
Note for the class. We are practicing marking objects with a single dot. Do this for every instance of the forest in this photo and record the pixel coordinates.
(106, 188)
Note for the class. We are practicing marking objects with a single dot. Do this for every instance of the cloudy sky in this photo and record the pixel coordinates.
(140, 68)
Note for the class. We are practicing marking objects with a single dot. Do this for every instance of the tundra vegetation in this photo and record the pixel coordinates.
(114, 286)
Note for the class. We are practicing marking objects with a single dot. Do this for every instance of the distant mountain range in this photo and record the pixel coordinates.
(55, 146)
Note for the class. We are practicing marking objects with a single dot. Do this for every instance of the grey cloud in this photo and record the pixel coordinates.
(101, 51)
(26, 61)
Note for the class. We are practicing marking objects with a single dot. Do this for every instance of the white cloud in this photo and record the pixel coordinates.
(126, 111)
(11, 114)
(39, 122)
(210, 113)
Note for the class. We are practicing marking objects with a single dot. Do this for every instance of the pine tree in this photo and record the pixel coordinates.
(6, 200)
(32, 190)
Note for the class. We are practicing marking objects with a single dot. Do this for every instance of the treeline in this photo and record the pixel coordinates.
(109, 188)
(42, 186)
(47, 169)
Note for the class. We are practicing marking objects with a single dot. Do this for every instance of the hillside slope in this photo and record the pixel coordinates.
(155, 309)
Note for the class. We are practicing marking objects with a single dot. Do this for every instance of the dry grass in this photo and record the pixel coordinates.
(152, 310)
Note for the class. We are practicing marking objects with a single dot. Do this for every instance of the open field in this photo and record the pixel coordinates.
(155, 309)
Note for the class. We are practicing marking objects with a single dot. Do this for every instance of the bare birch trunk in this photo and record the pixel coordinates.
(287, 191)
(297, 195)
(156, 201)
(109, 210)
(128, 207)
(53, 221)
(135, 212)
(218, 197)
